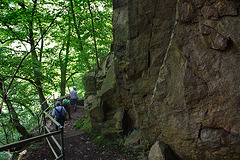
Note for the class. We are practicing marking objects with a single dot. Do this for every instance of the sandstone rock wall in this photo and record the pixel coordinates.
(175, 76)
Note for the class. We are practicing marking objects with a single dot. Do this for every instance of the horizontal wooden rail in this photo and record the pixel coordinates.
(19, 143)
(42, 122)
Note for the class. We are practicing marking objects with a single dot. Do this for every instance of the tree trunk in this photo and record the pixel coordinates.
(63, 81)
(21, 129)
(36, 63)
(78, 34)
(93, 34)
(63, 65)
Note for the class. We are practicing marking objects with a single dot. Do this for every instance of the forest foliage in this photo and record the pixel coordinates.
(46, 47)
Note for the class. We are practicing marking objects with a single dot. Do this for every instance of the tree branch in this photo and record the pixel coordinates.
(6, 93)
(71, 75)
(76, 27)
(8, 40)
(26, 79)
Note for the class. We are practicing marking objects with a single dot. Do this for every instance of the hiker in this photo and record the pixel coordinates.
(74, 97)
(59, 113)
(67, 105)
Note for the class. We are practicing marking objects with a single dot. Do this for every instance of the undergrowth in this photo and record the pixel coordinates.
(85, 124)
(99, 139)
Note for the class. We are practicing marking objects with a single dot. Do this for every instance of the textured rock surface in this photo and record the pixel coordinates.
(177, 79)
(156, 153)
(160, 151)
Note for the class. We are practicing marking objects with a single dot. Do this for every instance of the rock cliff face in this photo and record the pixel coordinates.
(174, 77)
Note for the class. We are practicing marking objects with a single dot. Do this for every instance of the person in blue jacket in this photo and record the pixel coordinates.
(59, 113)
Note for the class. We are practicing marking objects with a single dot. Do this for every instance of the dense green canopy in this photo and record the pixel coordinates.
(46, 47)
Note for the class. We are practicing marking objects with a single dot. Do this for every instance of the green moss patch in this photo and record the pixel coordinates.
(84, 124)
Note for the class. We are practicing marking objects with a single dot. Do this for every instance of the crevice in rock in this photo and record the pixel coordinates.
(108, 111)
(150, 38)
(127, 124)
(120, 48)
(166, 54)
(149, 59)
(230, 45)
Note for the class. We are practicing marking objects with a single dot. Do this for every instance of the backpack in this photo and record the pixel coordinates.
(60, 116)
(65, 104)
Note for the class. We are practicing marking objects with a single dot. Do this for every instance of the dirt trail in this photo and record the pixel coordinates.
(77, 145)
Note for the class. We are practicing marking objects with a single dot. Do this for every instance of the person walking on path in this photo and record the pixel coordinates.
(67, 105)
(59, 114)
(74, 97)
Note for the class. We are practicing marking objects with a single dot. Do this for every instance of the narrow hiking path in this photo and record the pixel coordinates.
(77, 145)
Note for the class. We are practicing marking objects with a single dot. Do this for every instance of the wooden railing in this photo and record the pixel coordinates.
(61, 145)
(47, 134)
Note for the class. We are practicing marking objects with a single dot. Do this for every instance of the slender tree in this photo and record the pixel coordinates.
(93, 33)
(78, 34)
(13, 114)
(36, 62)
(64, 62)
(16, 121)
